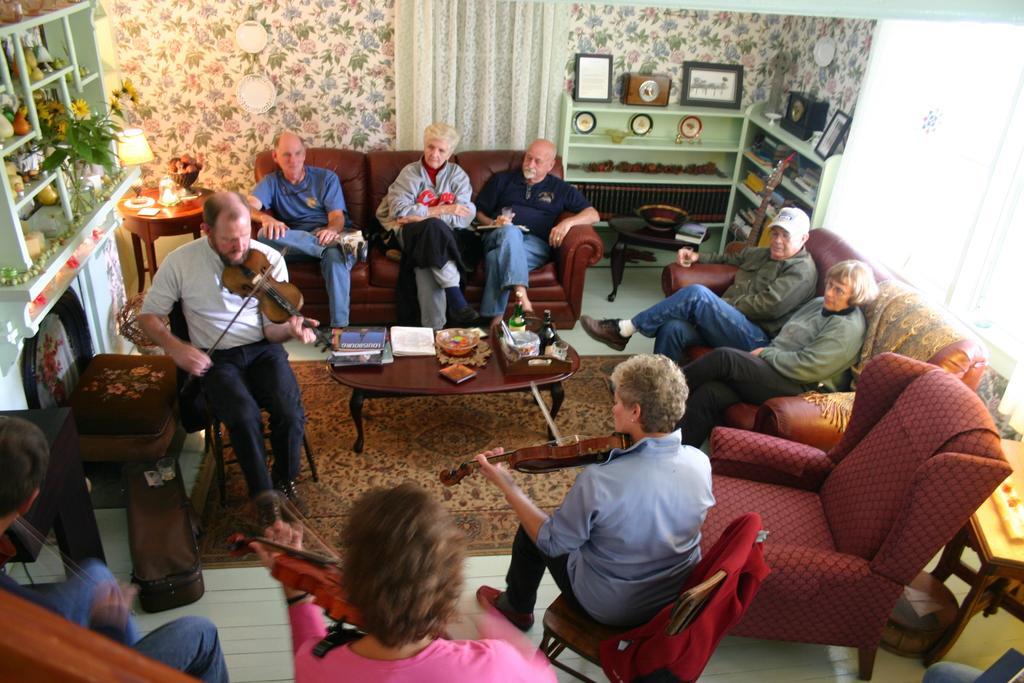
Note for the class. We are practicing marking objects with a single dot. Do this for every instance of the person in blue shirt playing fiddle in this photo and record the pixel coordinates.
(302, 208)
(534, 199)
(628, 532)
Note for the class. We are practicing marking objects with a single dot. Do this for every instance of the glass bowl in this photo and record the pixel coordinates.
(457, 341)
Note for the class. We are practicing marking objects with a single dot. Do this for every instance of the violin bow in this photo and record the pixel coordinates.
(544, 411)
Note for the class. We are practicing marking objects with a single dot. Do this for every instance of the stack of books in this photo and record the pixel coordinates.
(359, 346)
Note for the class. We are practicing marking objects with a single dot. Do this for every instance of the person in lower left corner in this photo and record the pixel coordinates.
(628, 532)
(92, 598)
(403, 572)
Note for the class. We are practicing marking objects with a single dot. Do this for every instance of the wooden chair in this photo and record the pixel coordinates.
(219, 444)
(719, 588)
(567, 627)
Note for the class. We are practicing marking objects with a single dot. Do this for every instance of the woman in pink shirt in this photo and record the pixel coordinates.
(403, 573)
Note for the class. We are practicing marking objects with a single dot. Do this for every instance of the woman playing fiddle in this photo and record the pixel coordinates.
(402, 570)
(628, 532)
(249, 370)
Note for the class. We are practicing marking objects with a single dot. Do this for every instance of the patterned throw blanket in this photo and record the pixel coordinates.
(900, 320)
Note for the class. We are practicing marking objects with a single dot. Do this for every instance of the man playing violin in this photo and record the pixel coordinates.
(309, 215)
(628, 532)
(249, 369)
(92, 598)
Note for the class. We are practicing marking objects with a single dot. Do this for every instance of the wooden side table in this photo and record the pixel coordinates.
(999, 581)
(179, 219)
(632, 230)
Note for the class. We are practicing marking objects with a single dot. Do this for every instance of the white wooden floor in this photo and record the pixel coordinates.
(249, 611)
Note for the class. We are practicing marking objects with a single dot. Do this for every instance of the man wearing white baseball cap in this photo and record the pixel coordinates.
(771, 283)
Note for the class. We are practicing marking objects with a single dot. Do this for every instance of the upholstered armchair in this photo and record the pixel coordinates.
(851, 527)
(901, 320)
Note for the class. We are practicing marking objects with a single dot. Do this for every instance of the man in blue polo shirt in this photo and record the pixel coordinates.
(308, 217)
(535, 200)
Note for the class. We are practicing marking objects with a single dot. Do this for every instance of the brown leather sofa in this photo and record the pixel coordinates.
(365, 178)
(901, 321)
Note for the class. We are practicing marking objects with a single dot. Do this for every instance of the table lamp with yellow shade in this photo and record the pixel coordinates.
(133, 150)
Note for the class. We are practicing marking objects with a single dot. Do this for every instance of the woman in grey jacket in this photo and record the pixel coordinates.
(428, 201)
(814, 350)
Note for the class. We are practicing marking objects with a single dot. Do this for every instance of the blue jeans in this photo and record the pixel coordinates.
(509, 256)
(73, 598)
(695, 315)
(240, 382)
(950, 672)
(188, 644)
(335, 266)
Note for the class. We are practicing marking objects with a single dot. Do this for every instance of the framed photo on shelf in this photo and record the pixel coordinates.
(712, 85)
(834, 135)
(593, 78)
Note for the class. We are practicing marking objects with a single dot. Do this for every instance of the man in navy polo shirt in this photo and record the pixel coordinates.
(535, 200)
(308, 217)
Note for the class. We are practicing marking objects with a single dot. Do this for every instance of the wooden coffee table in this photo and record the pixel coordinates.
(418, 376)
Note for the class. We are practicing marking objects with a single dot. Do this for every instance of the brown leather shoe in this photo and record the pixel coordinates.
(605, 331)
(488, 598)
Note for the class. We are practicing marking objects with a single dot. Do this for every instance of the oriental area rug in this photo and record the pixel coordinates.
(413, 439)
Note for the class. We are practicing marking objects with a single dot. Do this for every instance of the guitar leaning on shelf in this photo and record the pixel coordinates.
(757, 225)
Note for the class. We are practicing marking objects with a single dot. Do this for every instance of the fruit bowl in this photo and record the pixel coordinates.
(457, 341)
(185, 180)
(662, 217)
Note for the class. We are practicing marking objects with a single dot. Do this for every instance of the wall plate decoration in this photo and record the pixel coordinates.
(804, 115)
(690, 128)
(641, 124)
(584, 122)
(256, 93)
(824, 51)
(251, 37)
(646, 89)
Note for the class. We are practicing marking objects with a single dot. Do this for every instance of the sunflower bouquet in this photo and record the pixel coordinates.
(73, 139)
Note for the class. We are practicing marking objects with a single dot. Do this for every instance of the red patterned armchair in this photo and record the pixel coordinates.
(848, 529)
(901, 321)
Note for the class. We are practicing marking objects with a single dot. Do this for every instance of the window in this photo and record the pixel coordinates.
(932, 177)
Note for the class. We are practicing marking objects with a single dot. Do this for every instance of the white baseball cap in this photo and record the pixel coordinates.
(793, 220)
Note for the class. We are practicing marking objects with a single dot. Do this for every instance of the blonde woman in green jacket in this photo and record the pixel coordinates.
(813, 350)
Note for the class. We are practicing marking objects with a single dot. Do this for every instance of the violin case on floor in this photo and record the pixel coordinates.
(162, 540)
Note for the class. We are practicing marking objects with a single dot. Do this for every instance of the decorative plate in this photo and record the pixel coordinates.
(251, 36)
(584, 122)
(690, 127)
(139, 202)
(641, 124)
(824, 51)
(256, 93)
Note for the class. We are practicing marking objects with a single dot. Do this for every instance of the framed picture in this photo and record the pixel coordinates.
(834, 135)
(712, 85)
(593, 78)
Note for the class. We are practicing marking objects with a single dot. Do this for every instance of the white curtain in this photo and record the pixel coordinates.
(494, 69)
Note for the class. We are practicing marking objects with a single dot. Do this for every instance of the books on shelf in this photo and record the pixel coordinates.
(412, 341)
(359, 340)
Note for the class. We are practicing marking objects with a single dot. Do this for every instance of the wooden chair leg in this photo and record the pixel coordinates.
(866, 662)
(309, 458)
(218, 456)
(552, 646)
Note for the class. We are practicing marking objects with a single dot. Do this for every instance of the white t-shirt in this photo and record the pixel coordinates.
(192, 274)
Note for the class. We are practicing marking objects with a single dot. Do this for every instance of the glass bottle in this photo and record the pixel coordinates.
(547, 333)
(517, 323)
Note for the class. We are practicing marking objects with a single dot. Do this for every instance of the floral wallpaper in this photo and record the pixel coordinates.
(331, 62)
(659, 40)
